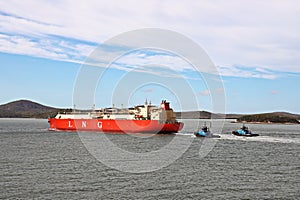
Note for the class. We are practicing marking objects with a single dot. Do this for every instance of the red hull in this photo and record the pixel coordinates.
(108, 125)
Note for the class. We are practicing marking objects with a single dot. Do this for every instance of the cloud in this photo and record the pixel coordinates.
(217, 91)
(47, 48)
(274, 92)
(247, 72)
(204, 93)
(155, 58)
(255, 33)
(148, 91)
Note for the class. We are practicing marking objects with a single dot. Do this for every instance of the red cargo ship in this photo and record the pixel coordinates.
(145, 118)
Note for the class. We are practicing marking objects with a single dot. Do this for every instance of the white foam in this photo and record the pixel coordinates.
(261, 139)
(186, 134)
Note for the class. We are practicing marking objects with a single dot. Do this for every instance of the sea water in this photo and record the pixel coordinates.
(37, 163)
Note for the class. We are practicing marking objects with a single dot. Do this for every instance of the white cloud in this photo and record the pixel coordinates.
(252, 33)
(247, 72)
(204, 93)
(155, 60)
(52, 49)
(274, 92)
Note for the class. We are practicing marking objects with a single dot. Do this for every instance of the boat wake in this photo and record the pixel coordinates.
(254, 139)
(261, 139)
(192, 134)
(185, 134)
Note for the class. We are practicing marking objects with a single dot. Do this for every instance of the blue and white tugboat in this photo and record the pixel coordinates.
(205, 132)
(244, 131)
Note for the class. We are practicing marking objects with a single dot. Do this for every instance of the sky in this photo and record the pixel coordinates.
(45, 46)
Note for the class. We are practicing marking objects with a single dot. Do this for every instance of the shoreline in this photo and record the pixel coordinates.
(233, 121)
(286, 123)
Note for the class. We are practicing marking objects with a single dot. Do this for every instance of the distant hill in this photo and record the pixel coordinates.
(203, 115)
(26, 109)
(30, 109)
(194, 115)
(286, 114)
(275, 117)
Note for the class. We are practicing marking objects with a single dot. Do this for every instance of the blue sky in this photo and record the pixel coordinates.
(255, 47)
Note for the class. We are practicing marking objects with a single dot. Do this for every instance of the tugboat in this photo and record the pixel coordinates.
(244, 131)
(205, 132)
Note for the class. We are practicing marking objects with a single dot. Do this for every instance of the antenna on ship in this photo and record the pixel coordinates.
(74, 108)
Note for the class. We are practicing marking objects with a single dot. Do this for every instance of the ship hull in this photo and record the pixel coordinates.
(114, 126)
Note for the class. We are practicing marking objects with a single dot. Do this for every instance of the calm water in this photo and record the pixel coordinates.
(36, 163)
